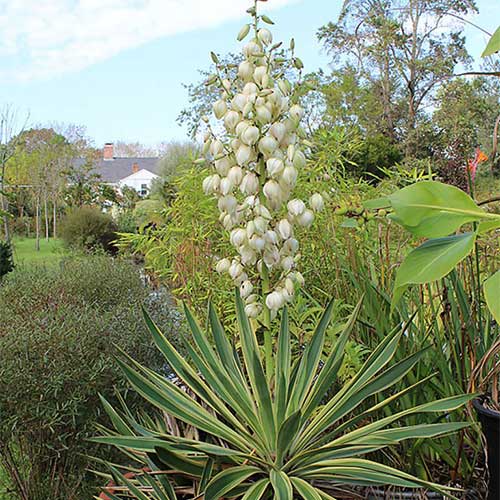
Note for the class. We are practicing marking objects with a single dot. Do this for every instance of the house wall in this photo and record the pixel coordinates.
(138, 180)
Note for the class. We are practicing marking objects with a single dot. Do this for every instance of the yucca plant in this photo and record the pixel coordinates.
(260, 440)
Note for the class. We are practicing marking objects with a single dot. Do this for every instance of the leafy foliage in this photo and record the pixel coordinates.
(59, 327)
(6, 261)
(88, 228)
(261, 438)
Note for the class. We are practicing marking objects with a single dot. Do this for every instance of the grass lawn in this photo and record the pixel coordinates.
(50, 251)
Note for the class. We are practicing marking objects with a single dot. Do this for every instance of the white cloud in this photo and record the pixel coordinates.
(47, 38)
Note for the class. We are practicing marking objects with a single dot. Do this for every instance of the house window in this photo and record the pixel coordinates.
(144, 189)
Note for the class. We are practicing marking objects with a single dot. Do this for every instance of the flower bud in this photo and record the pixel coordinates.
(250, 184)
(248, 256)
(289, 286)
(243, 155)
(245, 71)
(271, 257)
(260, 225)
(265, 36)
(275, 301)
(278, 131)
(296, 112)
(284, 229)
(216, 148)
(222, 165)
(257, 243)
(246, 289)
(226, 186)
(226, 84)
(252, 310)
(285, 87)
(227, 204)
(243, 32)
(272, 190)
(235, 175)
(299, 160)
(238, 237)
(306, 219)
(260, 75)
(241, 127)
(287, 263)
(274, 166)
(271, 237)
(223, 266)
(263, 115)
(251, 49)
(296, 207)
(316, 202)
(250, 88)
(231, 119)
(267, 145)
(235, 269)
(239, 101)
(211, 184)
(290, 246)
(289, 176)
(250, 135)
(219, 108)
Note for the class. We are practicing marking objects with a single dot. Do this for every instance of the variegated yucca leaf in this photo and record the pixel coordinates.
(258, 439)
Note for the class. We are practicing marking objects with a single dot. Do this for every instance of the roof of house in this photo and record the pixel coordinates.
(116, 169)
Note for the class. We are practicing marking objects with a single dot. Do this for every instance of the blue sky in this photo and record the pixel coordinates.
(117, 66)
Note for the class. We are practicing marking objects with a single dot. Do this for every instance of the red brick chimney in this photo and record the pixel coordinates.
(135, 168)
(108, 153)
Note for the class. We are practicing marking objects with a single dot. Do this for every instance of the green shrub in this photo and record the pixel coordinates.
(88, 228)
(58, 332)
(6, 261)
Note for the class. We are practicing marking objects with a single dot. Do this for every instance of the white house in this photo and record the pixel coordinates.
(135, 172)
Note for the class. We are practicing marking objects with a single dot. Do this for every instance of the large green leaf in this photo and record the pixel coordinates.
(492, 295)
(432, 209)
(432, 260)
(228, 479)
(281, 485)
(493, 44)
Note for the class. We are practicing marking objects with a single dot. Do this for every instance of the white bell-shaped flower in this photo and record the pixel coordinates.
(284, 229)
(296, 207)
(250, 135)
(245, 71)
(265, 36)
(275, 301)
(263, 115)
(223, 266)
(220, 108)
(231, 119)
(274, 166)
(246, 289)
(250, 184)
(235, 175)
(226, 186)
(316, 202)
(243, 154)
(306, 219)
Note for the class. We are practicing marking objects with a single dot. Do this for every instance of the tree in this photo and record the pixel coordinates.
(134, 149)
(10, 129)
(404, 48)
(466, 111)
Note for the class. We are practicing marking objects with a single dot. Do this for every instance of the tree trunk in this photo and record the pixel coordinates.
(37, 223)
(54, 222)
(4, 205)
(46, 210)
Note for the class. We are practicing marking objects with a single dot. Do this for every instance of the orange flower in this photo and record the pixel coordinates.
(479, 157)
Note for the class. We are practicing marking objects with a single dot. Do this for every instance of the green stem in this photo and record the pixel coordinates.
(477, 282)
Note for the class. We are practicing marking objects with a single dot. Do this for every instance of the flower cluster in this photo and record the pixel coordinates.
(256, 162)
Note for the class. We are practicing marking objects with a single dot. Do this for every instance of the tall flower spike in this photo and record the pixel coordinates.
(256, 163)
